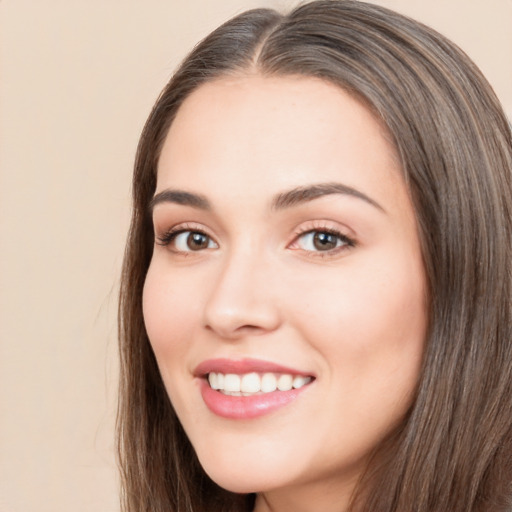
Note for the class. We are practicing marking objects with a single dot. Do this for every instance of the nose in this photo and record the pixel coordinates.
(241, 302)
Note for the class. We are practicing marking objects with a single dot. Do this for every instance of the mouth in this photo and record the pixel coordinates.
(249, 388)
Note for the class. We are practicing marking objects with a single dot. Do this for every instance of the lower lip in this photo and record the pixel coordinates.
(246, 407)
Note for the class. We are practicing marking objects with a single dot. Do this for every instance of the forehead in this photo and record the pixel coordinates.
(272, 133)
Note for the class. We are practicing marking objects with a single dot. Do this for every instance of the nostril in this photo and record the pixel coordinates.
(229, 332)
(249, 319)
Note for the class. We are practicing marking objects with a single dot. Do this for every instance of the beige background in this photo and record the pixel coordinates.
(77, 79)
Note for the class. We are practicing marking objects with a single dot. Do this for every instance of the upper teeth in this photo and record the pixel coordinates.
(232, 383)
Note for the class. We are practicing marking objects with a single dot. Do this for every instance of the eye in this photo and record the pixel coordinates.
(322, 241)
(192, 241)
(187, 241)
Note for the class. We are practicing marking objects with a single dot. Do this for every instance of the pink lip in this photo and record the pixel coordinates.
(244, 407)
(242, 366)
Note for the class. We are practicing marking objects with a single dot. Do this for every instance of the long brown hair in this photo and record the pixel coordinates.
(453, 450)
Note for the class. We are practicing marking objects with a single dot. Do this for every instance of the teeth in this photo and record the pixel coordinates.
(252, 383)
(232, 382)
(213, 379)
(285, 382)
(268, 383)
(299, 381)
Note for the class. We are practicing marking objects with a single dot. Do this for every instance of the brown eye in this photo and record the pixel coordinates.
(189, 241)
(197, 241)
(325, 241)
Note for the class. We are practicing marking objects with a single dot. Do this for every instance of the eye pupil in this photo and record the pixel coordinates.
(324, 241)
(197, 241)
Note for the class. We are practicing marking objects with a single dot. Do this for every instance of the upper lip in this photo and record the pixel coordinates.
(241, 366)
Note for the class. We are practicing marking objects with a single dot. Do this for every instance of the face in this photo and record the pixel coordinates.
(286, 298)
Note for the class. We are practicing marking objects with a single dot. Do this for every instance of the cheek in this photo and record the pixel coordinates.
(167, 313)
(369, 324)
(171, 317)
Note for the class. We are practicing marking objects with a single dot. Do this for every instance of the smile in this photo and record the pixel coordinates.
(247, 389)
(254, 383)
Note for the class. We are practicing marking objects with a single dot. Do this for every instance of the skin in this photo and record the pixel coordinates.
(353, 316)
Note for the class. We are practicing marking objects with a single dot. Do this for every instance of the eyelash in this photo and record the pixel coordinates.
(346, 242)
(167, 238)
(170, 236)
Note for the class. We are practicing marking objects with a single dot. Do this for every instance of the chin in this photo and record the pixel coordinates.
(244, 478)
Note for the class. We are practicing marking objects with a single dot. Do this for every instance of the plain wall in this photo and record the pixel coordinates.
(77, 80)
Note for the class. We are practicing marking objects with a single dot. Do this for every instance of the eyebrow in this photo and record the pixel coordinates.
(180, 197)
(281, 201)
(308, 193)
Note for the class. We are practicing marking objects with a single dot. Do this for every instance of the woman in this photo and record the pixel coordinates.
(315, 307)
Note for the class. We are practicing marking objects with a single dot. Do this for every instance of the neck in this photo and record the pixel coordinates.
(315, 497)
